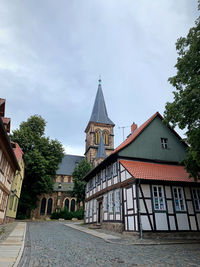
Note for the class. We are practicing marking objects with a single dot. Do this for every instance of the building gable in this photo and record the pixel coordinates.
(147, 145)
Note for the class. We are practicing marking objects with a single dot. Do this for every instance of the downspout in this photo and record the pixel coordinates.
(139, 211)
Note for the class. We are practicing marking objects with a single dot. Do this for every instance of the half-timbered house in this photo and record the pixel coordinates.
(142, 185)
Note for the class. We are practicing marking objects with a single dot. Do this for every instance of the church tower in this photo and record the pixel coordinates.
(99, 124)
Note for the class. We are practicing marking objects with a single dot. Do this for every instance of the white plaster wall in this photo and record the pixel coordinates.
(115, 180)
(121, 167)
(190, 207)
(104, 185)
(134, 190)
(193, 223)
(149, 205)
(95, 217)
(145, 223)
(168, 192)
(118, 217)
(146, 190)
(126, 223)
(109, 182)
(105, 216)
(129, 198)
(136, 223)
(182, 221)
(128, 175)
(124, 194)
(111, 217)
(123, 176)
(161, 221)
(170, 206)
(172, 223)
(142, 207)
(131, 223)
(135, 205)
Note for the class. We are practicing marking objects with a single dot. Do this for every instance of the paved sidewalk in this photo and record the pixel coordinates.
(116, 238)
(11, 249)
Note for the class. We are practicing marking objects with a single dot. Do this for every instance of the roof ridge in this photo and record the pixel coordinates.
(136, 133)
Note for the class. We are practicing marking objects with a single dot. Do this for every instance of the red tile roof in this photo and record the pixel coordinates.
(17, 150)
(156, 171)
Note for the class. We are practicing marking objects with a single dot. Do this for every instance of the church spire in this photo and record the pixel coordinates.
(99, 112)
(101, 153)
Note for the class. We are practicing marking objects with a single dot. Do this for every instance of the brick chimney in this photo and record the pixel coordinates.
(133, 127)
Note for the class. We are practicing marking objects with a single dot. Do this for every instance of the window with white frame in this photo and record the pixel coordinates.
(196, 198)
(109, 172)
(117, 201)
(105, 203)
(110, 202)
(158, 197)
(179, 200)
(104, 175)
(164, 142)
(115, 169)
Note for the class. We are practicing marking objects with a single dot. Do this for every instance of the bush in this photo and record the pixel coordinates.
(68, 215)
(79, 214)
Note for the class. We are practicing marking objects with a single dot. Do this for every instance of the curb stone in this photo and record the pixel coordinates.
(110, 238)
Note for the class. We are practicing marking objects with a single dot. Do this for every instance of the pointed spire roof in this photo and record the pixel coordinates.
(101, 153)
(99, 112)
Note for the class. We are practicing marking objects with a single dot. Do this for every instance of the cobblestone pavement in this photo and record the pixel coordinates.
(6, 229)
(55, 244)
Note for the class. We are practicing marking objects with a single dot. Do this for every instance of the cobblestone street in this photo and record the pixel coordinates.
(55, 244)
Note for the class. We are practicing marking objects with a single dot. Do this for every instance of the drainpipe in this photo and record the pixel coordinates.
(139, 211)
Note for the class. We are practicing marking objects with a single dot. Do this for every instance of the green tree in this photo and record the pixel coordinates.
(184, 111)
(42, 157)
(79, 183)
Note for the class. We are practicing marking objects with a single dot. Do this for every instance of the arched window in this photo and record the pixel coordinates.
(97, 137)
(67, 203)
(43, 206)
(49, 206)
(72, 205)
(105, 138)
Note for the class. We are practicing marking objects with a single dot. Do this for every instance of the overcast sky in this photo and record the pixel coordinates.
(52, 53)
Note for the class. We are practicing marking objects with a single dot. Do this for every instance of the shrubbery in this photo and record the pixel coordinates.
(68, 215)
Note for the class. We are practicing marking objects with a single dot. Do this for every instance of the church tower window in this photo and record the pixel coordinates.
(105, 138)
(97, 137)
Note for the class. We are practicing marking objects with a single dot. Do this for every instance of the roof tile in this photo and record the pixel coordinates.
(156, 171)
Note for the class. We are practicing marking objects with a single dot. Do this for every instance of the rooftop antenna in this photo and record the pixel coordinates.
(123, 127)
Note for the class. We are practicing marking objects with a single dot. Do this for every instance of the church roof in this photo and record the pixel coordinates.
(69, 162)
(101, 153)
(99, 112)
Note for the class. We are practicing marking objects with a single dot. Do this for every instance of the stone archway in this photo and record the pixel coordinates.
(43, 206)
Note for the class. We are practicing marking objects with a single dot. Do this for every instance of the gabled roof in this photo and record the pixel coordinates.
(99, 112)
(156, 171)
(139, 130)
(69, 162)
(101, 152)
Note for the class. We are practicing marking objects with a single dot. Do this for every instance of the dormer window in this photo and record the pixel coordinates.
(164, 143)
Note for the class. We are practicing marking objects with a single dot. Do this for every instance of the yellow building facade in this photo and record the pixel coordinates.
(14, 196)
